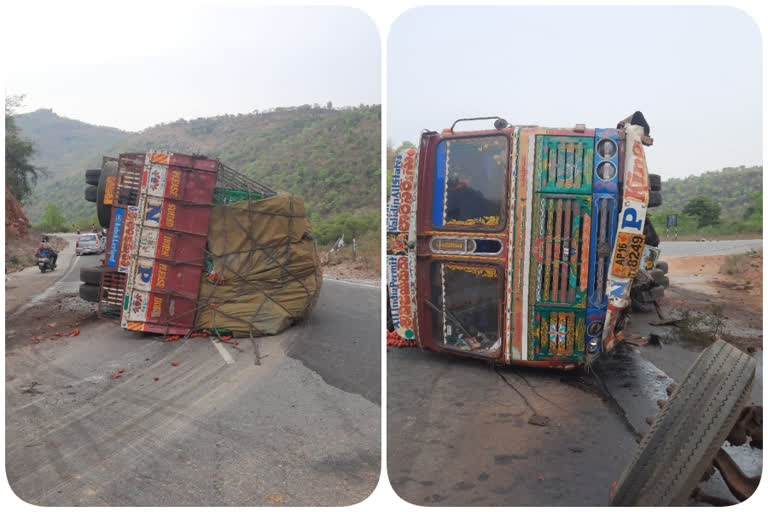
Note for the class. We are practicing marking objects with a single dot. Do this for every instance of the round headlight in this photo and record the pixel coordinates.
(606, 148)
(592, 345)
(606, 170)
(594, 328)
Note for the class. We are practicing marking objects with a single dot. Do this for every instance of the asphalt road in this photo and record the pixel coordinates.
(677, 249)
(459, 434)
(463, 433)
(301, 428)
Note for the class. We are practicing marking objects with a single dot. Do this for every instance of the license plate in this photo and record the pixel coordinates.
(629, 253)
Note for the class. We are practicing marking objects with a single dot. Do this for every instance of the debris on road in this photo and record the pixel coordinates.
(156, 379)
(539, 420)
(175, 363)
(115, 375)
(74, 332)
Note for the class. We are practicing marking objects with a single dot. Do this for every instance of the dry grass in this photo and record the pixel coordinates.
(737, 263)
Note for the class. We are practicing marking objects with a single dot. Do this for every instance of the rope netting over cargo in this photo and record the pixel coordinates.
(262, 270)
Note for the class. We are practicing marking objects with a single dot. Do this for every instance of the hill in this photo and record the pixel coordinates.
(330, 156)
(64, 144)
(730, 187)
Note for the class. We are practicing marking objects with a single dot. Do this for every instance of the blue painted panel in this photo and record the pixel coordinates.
(605, 181)
(603, 236)
(114, 242)
(438, 194)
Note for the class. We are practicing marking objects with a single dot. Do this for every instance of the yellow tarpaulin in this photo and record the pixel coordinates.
(266, 271)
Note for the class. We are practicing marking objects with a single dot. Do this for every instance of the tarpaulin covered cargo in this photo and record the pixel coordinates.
(263, 270)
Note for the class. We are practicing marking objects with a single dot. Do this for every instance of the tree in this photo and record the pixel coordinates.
(53, 220)
(705, 209)
(20, 174)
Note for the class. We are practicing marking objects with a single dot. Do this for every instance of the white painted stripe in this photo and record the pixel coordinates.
(33, 402)
(222, 351)
(331, 279)
(527, 265)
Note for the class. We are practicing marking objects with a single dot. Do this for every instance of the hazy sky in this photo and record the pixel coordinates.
(694, 72)
(133, 67)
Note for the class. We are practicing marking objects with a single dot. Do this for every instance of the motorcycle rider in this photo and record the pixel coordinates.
(46, 251)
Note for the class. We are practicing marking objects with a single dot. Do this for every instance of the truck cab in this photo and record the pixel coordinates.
(518, 244)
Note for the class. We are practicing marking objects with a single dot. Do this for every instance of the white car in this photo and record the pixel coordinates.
(89, 244)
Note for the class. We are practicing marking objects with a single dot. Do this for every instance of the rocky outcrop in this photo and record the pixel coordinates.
(16, 223)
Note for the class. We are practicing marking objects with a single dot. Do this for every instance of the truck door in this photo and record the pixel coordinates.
(462, 241)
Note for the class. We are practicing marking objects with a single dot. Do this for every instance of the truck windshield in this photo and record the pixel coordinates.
(470, 183)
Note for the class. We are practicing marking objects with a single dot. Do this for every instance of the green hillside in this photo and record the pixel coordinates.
(64, 144)
(730, 187)
(330, 156)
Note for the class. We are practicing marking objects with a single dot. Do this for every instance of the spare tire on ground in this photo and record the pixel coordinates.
(689, 430)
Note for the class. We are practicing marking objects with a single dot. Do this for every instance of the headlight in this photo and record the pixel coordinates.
(606, 148)
(606, 170)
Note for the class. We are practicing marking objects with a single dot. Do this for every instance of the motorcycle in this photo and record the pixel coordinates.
(44, 263)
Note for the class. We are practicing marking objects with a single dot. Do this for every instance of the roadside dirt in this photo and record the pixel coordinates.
(20, 250)
(700, 288)
(59, 316)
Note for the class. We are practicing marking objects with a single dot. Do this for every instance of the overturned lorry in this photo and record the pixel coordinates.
(526, 245)
(193, 245)
(522, 244)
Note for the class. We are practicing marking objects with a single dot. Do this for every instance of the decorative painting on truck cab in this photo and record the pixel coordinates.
(470, 183)
(628, 249)
(401, 234)
(564, 164)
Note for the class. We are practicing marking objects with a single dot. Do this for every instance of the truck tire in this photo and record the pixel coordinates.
(104, 211)
(92, 176)
(91, 275)
(89, 292)
(651, 237)
(689, 430)
(663, 266)
(90, 193)
(654, 198)
(654, 182)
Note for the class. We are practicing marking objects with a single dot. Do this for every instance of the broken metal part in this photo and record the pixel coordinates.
(749, 424)
(716, 501)
(740, 485)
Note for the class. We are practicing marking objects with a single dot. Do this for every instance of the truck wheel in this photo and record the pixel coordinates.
(91, 275)
(92, 176)
(89, 292)
(689, 430)
(90, 193)
(654, 198)
(651, 237)
(654, 181)
(642, 299)
(663, 266)
(104, 211)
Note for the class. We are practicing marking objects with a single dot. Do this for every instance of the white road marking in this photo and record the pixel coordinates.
(33, 402)
(57, 286)
(224, 354)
